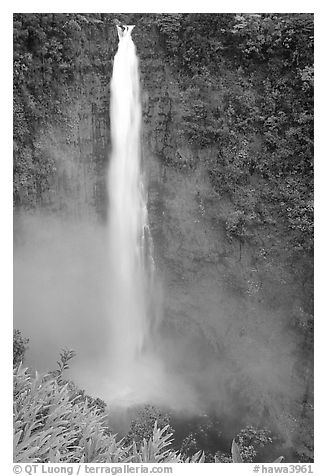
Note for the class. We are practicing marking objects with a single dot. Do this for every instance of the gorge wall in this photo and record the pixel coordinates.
(235, 317)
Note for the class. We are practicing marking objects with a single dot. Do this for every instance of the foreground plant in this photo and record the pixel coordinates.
(51, 425)
(237, 458)
(55, 423)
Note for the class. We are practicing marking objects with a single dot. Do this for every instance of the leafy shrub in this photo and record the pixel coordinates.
(204, 434)
(142, 425)
(238, 458)
(51, 425)
(250, 439)
(19, 347)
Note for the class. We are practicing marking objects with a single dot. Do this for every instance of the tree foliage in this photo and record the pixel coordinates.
(19, 347)
(250, 440)
(142, 424)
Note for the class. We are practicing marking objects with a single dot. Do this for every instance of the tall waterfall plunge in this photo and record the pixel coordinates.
(130, 254)
(137, 373)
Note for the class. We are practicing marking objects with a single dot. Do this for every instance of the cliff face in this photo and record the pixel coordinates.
(229, 308)
(79, 147)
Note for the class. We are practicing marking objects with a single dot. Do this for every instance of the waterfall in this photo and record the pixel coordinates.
(137, 373)
(130, 256)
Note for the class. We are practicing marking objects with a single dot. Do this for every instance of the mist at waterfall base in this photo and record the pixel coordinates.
(84, 285)
(61, 296)
(60, 301)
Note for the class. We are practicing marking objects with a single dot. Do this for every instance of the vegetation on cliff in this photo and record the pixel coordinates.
(248, 87)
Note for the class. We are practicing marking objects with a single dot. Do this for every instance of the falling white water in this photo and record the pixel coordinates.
(136, 374)
(129, 251)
